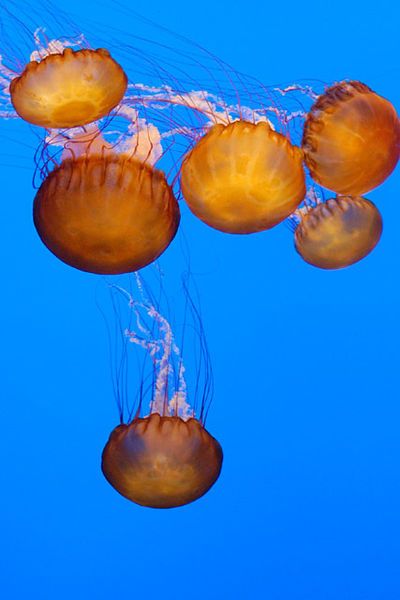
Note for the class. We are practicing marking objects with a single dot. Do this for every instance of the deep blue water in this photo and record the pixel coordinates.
(306, 367)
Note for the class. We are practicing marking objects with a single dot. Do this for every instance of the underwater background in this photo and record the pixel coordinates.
(306, 368)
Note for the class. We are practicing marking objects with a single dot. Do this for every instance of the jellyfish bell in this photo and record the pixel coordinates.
(240, 172)
(105, 209)
(339, 232)
(62, 87)
(243, 177)
(163, 457)
(107, 215)
(50, 74)
(162, 461)
(351, 139)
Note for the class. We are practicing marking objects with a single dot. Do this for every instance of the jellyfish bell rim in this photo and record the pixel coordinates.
(156, 421)
(65, 171)
(56, 58)
(313, 217)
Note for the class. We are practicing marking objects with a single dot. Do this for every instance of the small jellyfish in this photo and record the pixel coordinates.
(166, 458)
(61, 87)
(162, 461)
(351, 139)
(105, 208)
(339, 232)
(243, 177)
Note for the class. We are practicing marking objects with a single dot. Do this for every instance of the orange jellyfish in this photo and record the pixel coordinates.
(243, 177)
(105, 209)
(167, 458)
(351, 139)
(240, 174)
(62, 87)
(339, 232)
(162, 461)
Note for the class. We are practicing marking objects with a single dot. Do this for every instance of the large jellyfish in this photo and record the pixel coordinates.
(243, 177)
(63, 87)
(351, 139)
(105, 208)
(165, 458)
(240, 174)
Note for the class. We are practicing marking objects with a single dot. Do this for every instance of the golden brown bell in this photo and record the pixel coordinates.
(339, 232)
(106, 215)
(243, 178)
(68, 89)
(351, 139)
(162, 462)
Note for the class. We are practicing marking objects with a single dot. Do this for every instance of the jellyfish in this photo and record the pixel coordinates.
(239, 173)
(162, 461)
(165, 458)
(63, 87)
(338, 232)
(105, 208)
(243, 177)
(351, 139)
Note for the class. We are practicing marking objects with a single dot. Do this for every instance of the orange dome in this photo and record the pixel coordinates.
(68, 89)
(338, 232)
(243, 178)
(106, 215)
(351, 139)
(162, 462)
